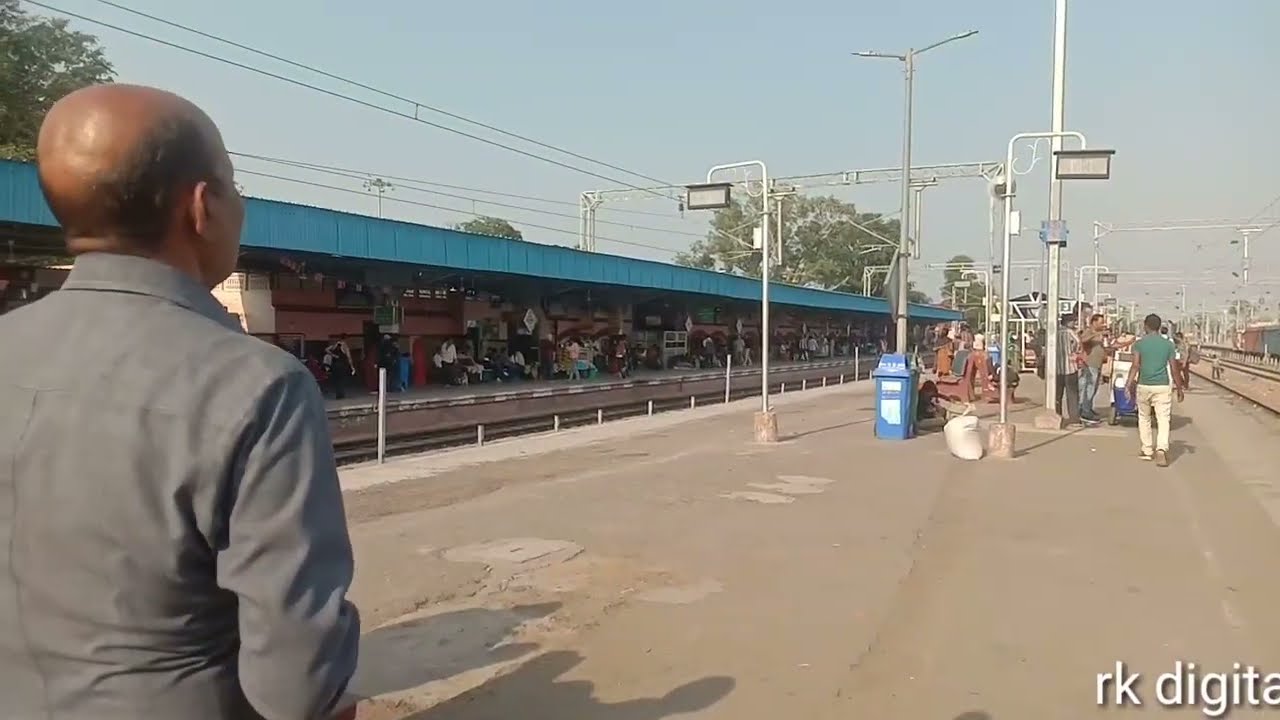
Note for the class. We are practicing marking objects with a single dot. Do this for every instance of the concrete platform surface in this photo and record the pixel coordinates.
(680, 570)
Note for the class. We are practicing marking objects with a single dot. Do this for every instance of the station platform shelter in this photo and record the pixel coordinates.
(309, 274)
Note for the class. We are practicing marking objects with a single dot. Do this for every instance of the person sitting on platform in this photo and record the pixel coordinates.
(523, 371)
(439, 374)
(472, 371)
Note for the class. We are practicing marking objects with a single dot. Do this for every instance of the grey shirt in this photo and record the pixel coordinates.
(1068, 350)
(172, 536)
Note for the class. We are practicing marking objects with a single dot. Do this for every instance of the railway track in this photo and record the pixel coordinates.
(417, 442)
(1245, 388)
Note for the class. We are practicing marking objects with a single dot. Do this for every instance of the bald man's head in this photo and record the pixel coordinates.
(134, 169)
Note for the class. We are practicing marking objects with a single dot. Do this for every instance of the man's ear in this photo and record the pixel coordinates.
(199, 208)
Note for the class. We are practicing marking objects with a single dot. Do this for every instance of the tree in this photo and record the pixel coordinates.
(970, 299)
(491, 226)
(41, 60)
(826, 243)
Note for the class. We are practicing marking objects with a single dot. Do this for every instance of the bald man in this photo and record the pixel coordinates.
(172, 537)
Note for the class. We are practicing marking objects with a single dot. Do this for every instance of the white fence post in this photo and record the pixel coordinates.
(382, 415)
(650, 407)
(600, 416)
(479, 434)
(693, 401)
(857, 362)
(555, 423)
(728, 368)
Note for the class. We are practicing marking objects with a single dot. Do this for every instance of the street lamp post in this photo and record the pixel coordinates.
(1245, 234)
(1080, 271)
(1053, 250)
(379, 186)
(908, 59)
(917, 215)
(1080, 164)
(985, 277)
(1097, 236)
(713, 196)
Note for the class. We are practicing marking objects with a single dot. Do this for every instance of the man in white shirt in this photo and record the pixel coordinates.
(449, 357)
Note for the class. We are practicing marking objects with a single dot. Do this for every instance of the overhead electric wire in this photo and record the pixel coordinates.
(321, 167)
(1264, 209)
(417, 203)
(343, 96)
(361, 175)
(370, 88)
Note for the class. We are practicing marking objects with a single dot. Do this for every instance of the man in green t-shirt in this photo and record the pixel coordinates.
(1153, 383)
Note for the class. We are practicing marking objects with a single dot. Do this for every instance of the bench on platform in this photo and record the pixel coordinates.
(958, 385)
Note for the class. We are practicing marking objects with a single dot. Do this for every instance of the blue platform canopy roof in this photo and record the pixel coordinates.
(288, 227)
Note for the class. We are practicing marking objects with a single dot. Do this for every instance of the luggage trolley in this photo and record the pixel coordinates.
(1122, 405)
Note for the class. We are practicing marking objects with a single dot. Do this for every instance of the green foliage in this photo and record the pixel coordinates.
(826, 243)
(969, 299)
(491, 226)
(41, 60)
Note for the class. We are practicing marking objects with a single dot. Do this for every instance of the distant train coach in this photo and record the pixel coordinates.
(1261, 338)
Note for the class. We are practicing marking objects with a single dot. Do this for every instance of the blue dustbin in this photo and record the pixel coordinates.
(896, 392)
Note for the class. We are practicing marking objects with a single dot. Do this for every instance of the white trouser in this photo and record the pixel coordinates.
(1157, 400)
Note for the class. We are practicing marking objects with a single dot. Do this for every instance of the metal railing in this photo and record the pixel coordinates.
(386, 445)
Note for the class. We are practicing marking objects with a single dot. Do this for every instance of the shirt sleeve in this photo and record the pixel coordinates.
(288, 558)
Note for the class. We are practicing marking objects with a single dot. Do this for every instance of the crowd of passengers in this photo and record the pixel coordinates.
(455, 362)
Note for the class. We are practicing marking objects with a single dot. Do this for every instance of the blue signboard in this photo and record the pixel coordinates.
(1054, 232)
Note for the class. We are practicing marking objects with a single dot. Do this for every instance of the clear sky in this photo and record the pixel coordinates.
(667, 88)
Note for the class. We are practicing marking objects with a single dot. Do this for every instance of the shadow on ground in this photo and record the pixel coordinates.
(829, 428)
(1019, 452)
(974, 715)
(534, 692)
(1178, 448)
(409, 654)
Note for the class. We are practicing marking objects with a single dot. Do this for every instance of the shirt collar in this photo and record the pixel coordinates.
(108, 272)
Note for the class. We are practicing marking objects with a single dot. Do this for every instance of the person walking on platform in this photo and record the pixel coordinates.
(174, 534)
(339, 367)
(1153, 386)
(389, 360)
